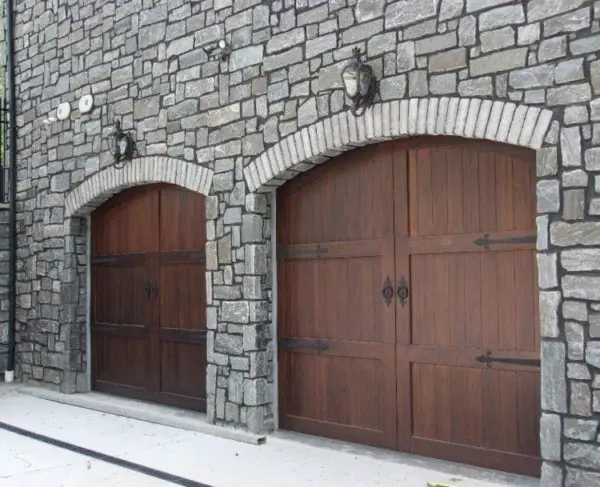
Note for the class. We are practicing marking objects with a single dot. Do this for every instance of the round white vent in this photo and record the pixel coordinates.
(63, 111)
(86, 103)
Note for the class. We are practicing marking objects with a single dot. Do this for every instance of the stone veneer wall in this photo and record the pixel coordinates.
(3, 287)
(146, 64)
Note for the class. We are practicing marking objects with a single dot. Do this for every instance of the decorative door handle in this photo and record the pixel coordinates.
(151, 289)
(402, 291)
(388, 291)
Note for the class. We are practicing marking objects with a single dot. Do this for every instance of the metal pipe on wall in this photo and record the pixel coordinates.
(12, 157)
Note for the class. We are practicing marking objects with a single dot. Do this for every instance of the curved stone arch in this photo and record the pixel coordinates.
(498, 121)
(144, 170)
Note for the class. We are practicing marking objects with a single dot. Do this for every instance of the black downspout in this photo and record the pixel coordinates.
(12, 184)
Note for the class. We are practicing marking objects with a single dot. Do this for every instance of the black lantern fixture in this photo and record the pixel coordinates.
(121, 145)
(359, 83)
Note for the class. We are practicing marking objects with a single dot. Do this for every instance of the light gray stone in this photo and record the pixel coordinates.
(595, 74)
(543, 9)
(361, 32)
(368, 9)
(569, 94)
(476, 87)
(580, 429)
(576, 114)
(581, 399)
(592, 353)
(448, 60)
(406, 12)
(549, 302)
(574, 310)
(548, 196)
(592, 159)
(528, 34)
(581, 287)
(494, 40)
(405, 56)
(594, 325)
(575, 341)
(547, 270)
(381, 43)
(550, 434)
(435, 43)
(580, 260)
(450, 9)
(475, 5)
(551, 475)
(320, 45)
(570, 142)
(499, 61)
(467, 31)
(582, 454)
(392, 88)
(578, 371)
(565, 234)
(307, 113)
(554, 383)
(443, 84)
(570, 22)
(255, 392)
(553, 48)
(417, 83)
(585, 45)
(536, 76)
(285, 40)
(501, 16)
(574, 204)
(235, 311)
(547, 162)
(579, 478)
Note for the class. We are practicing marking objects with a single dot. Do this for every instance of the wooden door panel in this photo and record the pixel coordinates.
(116, 228)
(345, 392)
(122, 320)
(474, 300)
(182, 298)
(149, 328)
(335, 253)
(335, 299)
(345, 200)
(182, 220)
(470, 255)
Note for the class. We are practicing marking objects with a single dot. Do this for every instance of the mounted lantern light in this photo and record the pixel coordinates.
(121, 145)
(359, 83)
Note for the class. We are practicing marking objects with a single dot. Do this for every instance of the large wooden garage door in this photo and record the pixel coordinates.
(148, 296)
(463, 313)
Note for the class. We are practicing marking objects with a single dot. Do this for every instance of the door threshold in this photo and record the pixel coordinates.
(458, 473)
(144, 411)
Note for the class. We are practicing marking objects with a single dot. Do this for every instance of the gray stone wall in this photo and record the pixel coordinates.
(149, 64)
(3, 287)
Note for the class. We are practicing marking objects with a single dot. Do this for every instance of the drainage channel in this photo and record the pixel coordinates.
(159, 474)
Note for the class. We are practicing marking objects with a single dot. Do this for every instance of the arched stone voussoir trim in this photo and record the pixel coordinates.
(144, 170)
(498, 121)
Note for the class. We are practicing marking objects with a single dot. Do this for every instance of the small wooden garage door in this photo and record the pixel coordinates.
(148, 296)
(427, 248)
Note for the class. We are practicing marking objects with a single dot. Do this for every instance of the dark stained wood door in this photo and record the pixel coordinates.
(336, 333)
(462, 265)
(149, 295)
(466, 248)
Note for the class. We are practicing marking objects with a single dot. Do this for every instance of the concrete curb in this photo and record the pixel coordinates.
(151, 413)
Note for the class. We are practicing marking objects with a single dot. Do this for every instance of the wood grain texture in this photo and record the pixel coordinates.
(449, 217)
(150, 347)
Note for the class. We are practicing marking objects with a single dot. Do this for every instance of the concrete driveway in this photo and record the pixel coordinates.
(50, 444)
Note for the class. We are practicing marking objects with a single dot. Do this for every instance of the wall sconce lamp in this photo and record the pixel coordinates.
(121, 145)
(359, 83)
(223, 49)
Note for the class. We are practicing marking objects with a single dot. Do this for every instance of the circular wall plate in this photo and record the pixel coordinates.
(63, 111)
(86, 103)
